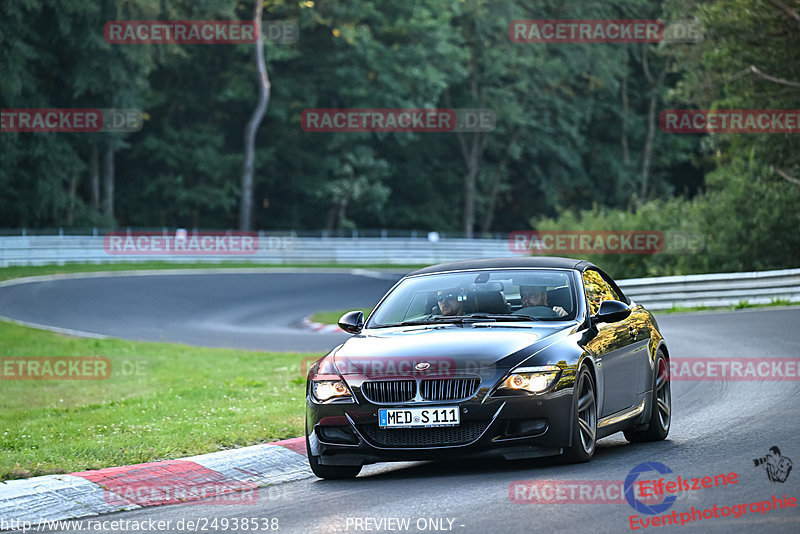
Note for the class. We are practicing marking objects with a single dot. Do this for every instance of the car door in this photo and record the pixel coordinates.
(638, 329)
(614, 347)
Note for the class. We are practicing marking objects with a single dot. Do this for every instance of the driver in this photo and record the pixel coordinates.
(451, 301)
(532, 296)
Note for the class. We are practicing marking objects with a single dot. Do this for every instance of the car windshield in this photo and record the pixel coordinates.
(492, 295)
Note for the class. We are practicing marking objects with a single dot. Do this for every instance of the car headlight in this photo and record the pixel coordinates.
(530, 380)
(325, 390)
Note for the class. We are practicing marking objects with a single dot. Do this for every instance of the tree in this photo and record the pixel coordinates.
(246, 201)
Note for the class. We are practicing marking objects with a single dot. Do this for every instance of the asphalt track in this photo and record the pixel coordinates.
(718, 427)
(255, 311)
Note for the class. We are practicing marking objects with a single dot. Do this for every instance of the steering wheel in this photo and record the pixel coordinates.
(542, 312)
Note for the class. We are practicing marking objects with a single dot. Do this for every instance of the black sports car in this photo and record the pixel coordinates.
(518, 357)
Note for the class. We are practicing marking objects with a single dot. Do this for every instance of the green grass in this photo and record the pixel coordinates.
(179, 401)
(738, 306)
(332, 317)
(7, 273)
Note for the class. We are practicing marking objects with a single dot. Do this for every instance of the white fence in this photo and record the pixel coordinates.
(656, 293)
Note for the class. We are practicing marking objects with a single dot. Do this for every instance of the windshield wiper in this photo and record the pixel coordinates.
(502, 316)
(471, 317)
(417, 322)
(434, 320)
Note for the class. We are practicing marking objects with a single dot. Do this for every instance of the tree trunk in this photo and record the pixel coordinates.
(472, 156)
(108, 182)
(648, 149)
(655, 87)
(331, 219)
(94, 171)
(246, 200)
(73, 198)
(496, 182)
(470, 178)
(342, 215)
(626, 154)
(489, 218)
(337, 214)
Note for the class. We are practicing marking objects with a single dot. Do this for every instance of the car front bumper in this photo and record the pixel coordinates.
(510, 427)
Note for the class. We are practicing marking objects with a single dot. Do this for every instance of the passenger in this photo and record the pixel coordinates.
(536, 296)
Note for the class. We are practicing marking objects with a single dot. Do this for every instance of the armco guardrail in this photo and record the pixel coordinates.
(655, 293)
(271, 249)
(725, 289)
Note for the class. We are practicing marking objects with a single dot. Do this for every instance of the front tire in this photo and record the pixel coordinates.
(584, 416)
(660, 408)
(330, 471)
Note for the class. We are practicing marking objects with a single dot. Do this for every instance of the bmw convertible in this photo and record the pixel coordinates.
(514, 357)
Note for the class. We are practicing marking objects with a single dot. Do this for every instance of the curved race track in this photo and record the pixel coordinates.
(718, 426)
(256, 311)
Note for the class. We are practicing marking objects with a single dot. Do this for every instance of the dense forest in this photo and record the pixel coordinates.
(576, 143)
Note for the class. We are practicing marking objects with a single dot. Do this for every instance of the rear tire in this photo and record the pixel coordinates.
(584, 417)
(330, 471)
(660, 406)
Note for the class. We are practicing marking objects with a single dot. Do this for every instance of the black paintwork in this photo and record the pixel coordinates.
(620, 356)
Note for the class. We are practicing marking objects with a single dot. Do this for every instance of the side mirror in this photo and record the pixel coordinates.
(611, 311)
(352, 322)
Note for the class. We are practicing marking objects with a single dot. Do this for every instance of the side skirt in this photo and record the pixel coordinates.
(621, 420)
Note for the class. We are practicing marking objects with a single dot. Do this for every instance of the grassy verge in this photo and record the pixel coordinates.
(739, 306)
(161, 401)
(332, 317)
(7, 273)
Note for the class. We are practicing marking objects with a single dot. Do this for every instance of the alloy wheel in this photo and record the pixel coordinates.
(587, 413)
(663, 400)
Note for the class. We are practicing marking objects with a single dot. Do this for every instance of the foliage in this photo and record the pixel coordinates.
(571, 143)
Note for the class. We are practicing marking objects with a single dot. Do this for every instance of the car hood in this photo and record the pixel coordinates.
(445, 348)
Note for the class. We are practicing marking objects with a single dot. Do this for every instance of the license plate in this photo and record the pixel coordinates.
(418, 417)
